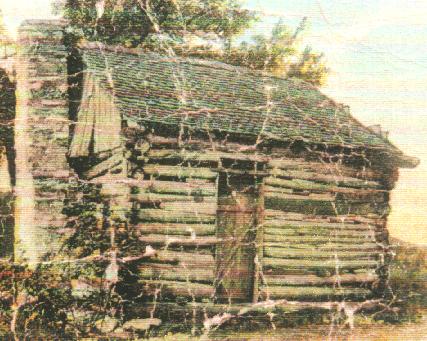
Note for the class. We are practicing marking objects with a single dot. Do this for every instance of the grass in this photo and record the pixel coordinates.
(408, 280)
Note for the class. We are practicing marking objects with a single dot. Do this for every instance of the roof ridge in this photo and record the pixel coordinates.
(295, 109)
(95, 45)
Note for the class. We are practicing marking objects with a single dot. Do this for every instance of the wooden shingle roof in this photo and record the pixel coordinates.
(150, 87)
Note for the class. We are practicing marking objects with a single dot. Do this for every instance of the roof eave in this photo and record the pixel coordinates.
(405, 161)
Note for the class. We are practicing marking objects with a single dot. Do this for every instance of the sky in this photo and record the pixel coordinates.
(377, 53)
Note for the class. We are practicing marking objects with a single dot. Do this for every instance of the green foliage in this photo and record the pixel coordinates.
(175, 25)
(281, 55)
(408, 281)
(130, 21)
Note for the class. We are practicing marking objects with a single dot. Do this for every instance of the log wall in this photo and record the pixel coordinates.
(324, 234)
(174, 211)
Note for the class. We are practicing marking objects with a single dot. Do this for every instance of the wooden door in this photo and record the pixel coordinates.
(238, 226)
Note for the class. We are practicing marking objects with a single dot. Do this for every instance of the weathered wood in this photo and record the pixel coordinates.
(237, 220)
(177, 229)
(298, 184)
(313, 280)
(299, 204)
(183, 155)
(349, 195)
(306, 185)
(180, 272)
(316, 293)
(277, 252)
(301, 231)
(299, 164)
(372, 219)
(179, 172)
(191, 207)
(335, 179)
(196, 258)
(316, 239)
(201, 156)
(189, 290)
(162, 240)
(281, 223)
(282, 190)
(104, 166)
(167, 255)
(177, 188)
(99, 121)
(326, 246)
(208, 145)
(273, 263)
(160, 215)
(287, 193)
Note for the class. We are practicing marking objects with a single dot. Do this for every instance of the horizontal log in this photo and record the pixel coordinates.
(104, 166)
(282, 223)
(321, 206)
(178, 188)
(306, 185)
(301, 231)
(277, 252)
(228, 312)
(354, 195)
(282, 190)
(299, 164)
(169, 256)
(180, 272)
(189, 290)
(335, 179)
(298, 184)
(300, 205)
(273, 263)
(347, 219)
(177, 229)
(183, 155)
(326, 246)
(202, 155)
(162, 240)
(315, 293)
(295, 196)
(192, 207)
(179, 172)
(160, 215)
(313, 280)
(317, 239)
(203, 144)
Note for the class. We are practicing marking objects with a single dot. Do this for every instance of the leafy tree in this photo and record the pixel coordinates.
(131, 21)
(202, 28)
(280, 54)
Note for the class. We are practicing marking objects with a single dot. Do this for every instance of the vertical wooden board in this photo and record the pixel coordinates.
(107, 127)
(83, 130)
(235, 256)
(238, 220)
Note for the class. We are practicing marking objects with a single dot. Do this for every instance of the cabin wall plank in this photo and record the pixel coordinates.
(323, 224)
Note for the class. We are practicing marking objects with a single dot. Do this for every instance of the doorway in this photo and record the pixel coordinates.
(239, 227)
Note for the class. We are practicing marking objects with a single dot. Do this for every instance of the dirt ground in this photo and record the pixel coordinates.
(369, 332)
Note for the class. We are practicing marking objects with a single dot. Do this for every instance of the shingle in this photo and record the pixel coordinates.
(211, 95)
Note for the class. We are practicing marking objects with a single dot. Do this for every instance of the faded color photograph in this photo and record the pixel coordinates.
(213, 170)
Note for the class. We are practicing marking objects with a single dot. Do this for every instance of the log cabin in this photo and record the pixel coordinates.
(243, 187)
(248, 186)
